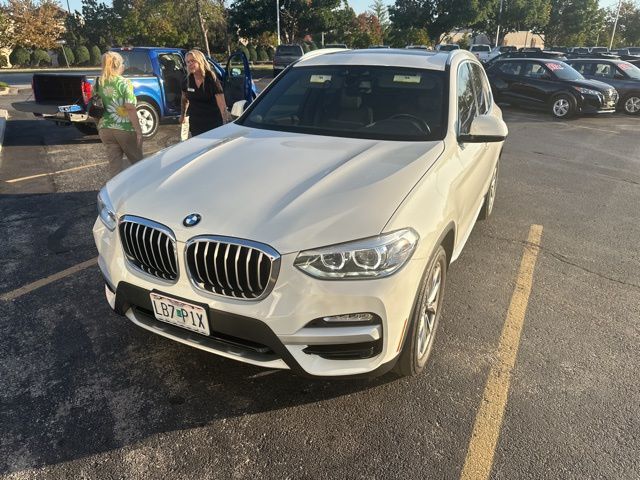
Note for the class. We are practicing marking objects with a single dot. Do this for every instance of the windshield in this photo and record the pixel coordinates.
(599, 50)
(564, 71)
(381, 103)
(480, 48)
(448, 48)
(634, 50)
(631, 70)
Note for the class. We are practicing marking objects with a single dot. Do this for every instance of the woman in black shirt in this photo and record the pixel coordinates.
(202, 96)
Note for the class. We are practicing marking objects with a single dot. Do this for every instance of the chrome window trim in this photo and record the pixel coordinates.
(265, 249)
(145, 222)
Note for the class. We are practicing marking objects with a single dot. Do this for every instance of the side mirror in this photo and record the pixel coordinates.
(238, 108)
(485, 129)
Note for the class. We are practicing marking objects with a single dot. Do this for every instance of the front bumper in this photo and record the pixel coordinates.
(597, 104)
(275, 332)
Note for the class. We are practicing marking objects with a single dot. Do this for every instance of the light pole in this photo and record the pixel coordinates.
(278, 18)
(499, 18)
(615, 25)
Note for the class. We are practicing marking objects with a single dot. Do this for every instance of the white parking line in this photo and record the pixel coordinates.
(588, 128)
(31, 177)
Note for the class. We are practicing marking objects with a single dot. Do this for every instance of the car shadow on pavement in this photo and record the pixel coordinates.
(77, 379)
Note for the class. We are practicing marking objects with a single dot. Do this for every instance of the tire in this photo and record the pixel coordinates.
(87, 128)
(631, 104)
(563, 106)
(425, 317)
(490, 197)
(149, 119)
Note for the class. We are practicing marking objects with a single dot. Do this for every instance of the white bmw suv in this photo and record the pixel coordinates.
(314, 232)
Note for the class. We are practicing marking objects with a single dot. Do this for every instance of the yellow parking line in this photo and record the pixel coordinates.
(31, 177)
(12, 295)
(484, 439)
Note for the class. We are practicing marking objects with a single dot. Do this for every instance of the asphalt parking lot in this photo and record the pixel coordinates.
(86, 394)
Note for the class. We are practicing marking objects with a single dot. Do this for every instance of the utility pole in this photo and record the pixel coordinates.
(615, 25)
(278, 18)
(499, 19)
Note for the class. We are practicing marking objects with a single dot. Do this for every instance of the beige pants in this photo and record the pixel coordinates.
(117, 143)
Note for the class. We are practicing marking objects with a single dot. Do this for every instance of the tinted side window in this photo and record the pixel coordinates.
(583, 68)
(511, 68)
(481, 88)
(467, 105)
(534, 70)
(603, 70)
(136, 63)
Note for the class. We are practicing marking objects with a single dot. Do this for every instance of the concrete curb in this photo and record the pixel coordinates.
(15, 90)
(3, 124)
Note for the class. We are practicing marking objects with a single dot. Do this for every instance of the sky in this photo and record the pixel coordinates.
(358, 5)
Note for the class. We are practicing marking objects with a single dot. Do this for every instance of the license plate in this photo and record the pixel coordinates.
(185, 315)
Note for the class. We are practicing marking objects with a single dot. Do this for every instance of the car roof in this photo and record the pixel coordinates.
(612, 60)
(529, 59)
(397, 57)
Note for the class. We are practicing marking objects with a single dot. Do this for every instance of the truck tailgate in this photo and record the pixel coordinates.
(35, 107)
(63, 89)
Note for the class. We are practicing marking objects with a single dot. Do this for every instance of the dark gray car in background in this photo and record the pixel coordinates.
(285, 55)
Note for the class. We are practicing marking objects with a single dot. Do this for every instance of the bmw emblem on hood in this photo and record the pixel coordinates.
(191, 220)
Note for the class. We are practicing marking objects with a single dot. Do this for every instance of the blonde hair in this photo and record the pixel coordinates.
(112, 64)
(198, 56)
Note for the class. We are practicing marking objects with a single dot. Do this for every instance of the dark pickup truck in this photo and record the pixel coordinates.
(157, 75)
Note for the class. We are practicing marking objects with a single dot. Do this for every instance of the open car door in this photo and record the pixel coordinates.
(237, 82)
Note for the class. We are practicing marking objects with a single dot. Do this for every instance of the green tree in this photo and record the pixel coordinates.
(20, 57)
(400, 38)
(262, 54)
(379, 10)
(253, 54)
(70, 57)
(40, 57)
(570, 22)
(82, 55)
(96, 56)
(439, 16)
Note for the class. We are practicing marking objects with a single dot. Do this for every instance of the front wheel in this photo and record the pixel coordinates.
(490, 197)
(563, 106)
(631, 104)
(149, 119)
(425, 318)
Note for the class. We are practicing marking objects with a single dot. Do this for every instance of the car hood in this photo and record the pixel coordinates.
(290, 191)
(593, 84)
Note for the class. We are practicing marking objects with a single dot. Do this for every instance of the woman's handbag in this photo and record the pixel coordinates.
(95, 108)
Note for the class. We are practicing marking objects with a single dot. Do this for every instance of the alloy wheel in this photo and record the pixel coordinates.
(146, 121)
(632, 105)
(429, 311)
(561, 107)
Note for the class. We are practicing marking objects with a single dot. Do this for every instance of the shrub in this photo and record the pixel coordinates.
(244, 50)
(271, 52)
(70, 57)
(262, 55)
(4, 84)
(4, 62)
(96, 56)
(253, 55)
(20, 57)
(40, 57)
(82, 55)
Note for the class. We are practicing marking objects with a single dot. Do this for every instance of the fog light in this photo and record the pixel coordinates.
(350, 317)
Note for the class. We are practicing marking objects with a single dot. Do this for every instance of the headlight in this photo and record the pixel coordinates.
(106, 210)
(588, 91)
(374, 257)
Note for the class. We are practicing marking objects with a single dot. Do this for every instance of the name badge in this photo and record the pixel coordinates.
(191, 89)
